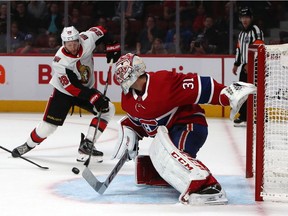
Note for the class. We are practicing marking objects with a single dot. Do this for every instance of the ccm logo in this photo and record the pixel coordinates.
(185, 163)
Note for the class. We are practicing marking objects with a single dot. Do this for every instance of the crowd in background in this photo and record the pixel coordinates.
(149, 25)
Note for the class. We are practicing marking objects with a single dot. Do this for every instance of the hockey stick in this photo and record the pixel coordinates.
(99, 114)
(100, 187)
(25, 159)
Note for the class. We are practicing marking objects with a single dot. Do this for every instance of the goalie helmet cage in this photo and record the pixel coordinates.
(267, 122)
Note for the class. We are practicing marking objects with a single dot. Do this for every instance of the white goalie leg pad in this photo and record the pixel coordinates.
(127, 139)
(43, 130)
(178, 169)
(238, 93)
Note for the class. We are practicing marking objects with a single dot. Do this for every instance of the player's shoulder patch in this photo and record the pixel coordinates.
(56, 59)
(84, 36)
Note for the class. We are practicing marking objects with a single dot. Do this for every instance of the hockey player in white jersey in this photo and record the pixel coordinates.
(73, 81)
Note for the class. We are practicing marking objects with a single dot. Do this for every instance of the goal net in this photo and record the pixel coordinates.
(267, 122)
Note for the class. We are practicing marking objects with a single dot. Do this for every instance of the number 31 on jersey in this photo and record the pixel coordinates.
(188, 83)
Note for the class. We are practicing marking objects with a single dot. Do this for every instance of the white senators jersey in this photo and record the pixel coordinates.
(82, 64)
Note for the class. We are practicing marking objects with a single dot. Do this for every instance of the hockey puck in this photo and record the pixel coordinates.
(75, 170)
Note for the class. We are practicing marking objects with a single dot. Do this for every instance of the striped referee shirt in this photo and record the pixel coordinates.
(249, 36)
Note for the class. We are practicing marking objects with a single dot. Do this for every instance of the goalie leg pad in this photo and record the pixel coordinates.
(146, 174)
(176, 167)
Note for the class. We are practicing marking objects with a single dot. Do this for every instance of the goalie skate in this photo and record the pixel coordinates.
(84, 150)
(238, 93)
(212, 195)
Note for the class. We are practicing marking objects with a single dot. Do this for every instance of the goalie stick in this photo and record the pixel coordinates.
(100, 187)
(42, 167)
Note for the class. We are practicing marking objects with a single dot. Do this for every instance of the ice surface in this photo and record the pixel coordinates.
(27, 190)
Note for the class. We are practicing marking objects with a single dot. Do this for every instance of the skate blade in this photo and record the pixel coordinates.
(83, 158)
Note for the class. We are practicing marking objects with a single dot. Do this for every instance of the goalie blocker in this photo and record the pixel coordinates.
(186, 174)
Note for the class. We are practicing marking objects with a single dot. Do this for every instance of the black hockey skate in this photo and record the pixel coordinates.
(211, 195)
(85, 148)
(20, 150)
(213, 189)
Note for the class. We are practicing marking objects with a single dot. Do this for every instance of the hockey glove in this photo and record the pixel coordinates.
(100, 102)
(113, 51)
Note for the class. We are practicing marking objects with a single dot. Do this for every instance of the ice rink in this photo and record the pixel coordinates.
(28, 190)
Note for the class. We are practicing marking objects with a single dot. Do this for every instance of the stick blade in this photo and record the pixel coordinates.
(93, 181)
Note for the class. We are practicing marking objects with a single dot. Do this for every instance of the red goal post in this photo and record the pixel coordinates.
(267, 122)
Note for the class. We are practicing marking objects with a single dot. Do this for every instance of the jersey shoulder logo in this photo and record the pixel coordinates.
(83, 36)
(56, 59)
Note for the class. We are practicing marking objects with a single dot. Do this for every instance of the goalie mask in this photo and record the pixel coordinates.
(128, 68)
(69, 34)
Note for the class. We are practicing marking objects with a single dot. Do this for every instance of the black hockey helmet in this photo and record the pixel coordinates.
(245, 11)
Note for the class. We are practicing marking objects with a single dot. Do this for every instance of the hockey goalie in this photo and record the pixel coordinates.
(165, 106)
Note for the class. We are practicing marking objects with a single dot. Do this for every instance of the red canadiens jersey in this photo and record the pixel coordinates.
(169, 98)
(82, 64)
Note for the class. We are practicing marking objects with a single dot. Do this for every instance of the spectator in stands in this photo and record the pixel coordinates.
(130, 37)
(75, 18)
(198, 22)
(157, 47)
(79, 21)
(169, 10)
(87, 8)
(25, 21)
(38, 10)
(17, 37)
(53, 45)
(133, 10)
(147, 36)
(28, 47)
(222, 25)
(52, 23)
(3, 18)
(3, 27)
(171, 49)
(199, 46)
(208, 36)
(185, 37)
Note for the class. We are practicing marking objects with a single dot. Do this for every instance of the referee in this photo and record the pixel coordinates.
(250, 34)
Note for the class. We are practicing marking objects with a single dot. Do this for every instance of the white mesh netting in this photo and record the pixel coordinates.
(275, 178)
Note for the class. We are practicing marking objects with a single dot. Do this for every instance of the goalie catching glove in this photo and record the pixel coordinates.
(127, 139)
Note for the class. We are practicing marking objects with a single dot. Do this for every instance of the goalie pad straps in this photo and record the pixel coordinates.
(127, 139)
(185, 174)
